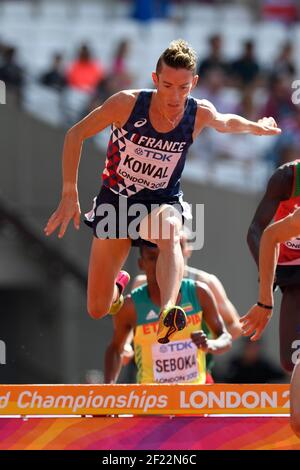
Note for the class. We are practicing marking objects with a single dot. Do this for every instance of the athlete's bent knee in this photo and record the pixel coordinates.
(97, 310)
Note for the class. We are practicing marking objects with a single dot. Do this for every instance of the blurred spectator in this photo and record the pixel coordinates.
(146, 10)
(245, 70)
(287, 145)
(284, 11)
(120, 75)
(117, 79)
(245, 148)
(161, 9)
(251, 367)
(213, 89)
(248, 106)
(214, 59)
(2, 50)
(12, 73)
(54, 77)
(225, 100)
(284, 64)
(143, 10)
(279, 104)
(84, 73)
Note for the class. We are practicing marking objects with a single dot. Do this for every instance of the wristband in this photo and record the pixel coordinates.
(268, 307)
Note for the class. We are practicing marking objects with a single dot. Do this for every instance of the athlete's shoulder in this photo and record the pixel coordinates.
(282, 181)
(188, 280)
(122, 104)
(196, 274)
(138, 281)
(296, 217)
(133, 94)
(206, 111)
(202, 287)
(205, 104)
(126, 317)
(139, 286)
(126, 96)
(287, 168)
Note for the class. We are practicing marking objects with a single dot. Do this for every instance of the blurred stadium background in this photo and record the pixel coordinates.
(61, 59)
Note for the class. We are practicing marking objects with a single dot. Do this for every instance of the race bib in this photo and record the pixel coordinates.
(146, 167)
(175, 362)
(293, 244)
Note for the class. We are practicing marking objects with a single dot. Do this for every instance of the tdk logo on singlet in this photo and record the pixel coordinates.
(176, 346)
(154, 155)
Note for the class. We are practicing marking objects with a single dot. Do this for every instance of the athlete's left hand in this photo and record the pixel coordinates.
(255, 321)
(200, 339)
(266, 126)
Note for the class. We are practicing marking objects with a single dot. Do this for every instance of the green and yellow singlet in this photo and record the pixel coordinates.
(178, 361)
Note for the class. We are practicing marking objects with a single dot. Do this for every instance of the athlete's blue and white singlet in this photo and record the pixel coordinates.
(145, 164)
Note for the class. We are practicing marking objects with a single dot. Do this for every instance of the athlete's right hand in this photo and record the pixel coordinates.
(200, 339)
(255, 322)
(67, 210)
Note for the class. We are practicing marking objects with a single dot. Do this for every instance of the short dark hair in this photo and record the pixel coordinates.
(146, 245)
(179, 54)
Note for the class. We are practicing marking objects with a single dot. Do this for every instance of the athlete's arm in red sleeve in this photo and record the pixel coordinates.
(124, 323)
(232, 123)
(222, 339)
(279, 189)
(258, 317)
(115, 110)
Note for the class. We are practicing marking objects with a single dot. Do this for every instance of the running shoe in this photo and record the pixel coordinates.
(171, 320)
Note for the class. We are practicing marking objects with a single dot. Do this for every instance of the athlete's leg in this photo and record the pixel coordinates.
(163, 227)
(289, 325)
(106, 259)
(295, 400)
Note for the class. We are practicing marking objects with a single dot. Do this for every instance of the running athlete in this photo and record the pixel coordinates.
(259, 315)
(281, 198)
(183, 359)
(151, 131)
(224, 305)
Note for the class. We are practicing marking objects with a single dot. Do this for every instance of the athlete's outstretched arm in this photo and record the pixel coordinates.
(258, 317)
(232, 123)
(115, 110)
(225, 307)
(124, 323)
(213, 319)
(279, 189)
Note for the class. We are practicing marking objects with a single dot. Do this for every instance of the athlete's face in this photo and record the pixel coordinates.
(173, 87)
(147, 263)
(185, 247)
